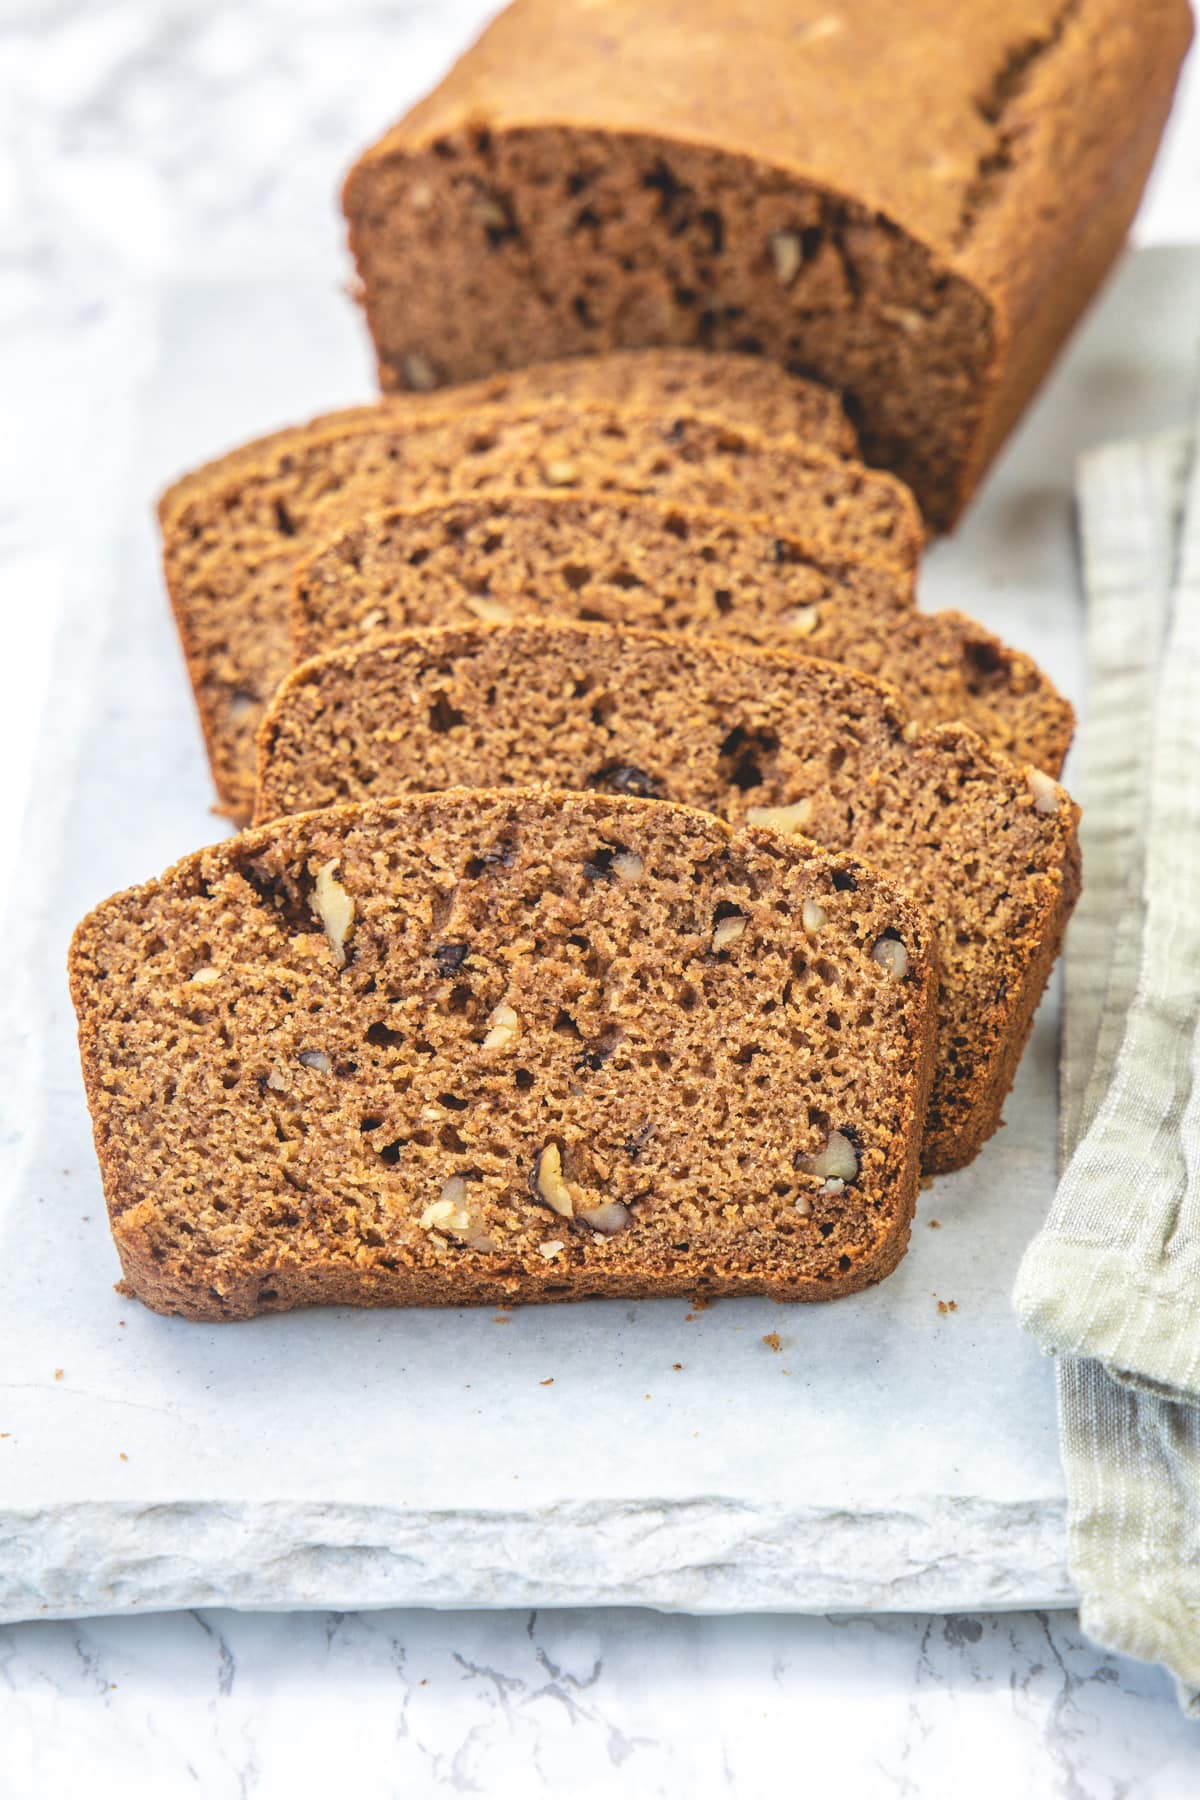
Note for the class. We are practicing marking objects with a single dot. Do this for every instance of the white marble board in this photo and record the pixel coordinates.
(890, 1455)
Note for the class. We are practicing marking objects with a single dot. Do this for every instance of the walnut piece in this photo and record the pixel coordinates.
(488, 612)
(505, 1028)
(558, 473)
(905, 317)
(551, 1248)
(813, 916)
(335, 909)
(787, 819)
(610, 1217)
(491, 211)
(802, 621)
(1046, 793)
(419, 372)
(727, 931)
(627, 865)
(787, 254)
(448, 1214)
(549, 1183)
(891, 955)
(315, 1059)
(838, 1161)
(205, 977)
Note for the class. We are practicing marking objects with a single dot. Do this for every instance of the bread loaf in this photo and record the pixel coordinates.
(914, 201)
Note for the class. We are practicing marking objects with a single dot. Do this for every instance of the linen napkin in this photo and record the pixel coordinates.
(1111, 1284)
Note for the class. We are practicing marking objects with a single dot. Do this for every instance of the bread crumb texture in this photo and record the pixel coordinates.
(309, 1129)
(766, 739)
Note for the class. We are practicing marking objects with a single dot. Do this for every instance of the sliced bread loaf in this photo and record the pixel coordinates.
(642, 562)
(502, 1047)
(915, 200)
(989, 850)
(230, 543)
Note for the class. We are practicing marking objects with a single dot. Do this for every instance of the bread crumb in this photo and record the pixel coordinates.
(549, 1382)
(773, 1342)
(925, 1183)
(677, 1365)
(935, 1224)
(58, 1374)
(501, 1318)
(698, 1303)
(121, 1454)
(954, 1306)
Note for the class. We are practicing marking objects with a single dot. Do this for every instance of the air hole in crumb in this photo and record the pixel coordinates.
(444, 717)
(523, 1079)
(382, 1036)
(390, 1153)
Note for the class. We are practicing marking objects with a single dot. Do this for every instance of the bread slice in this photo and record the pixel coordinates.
(482, 1047)
(742, 389)
(916, 200)
(988, 850)
(230, 543)
(642, 562)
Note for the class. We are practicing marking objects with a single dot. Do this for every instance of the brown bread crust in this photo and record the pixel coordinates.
(231, 540)
(582, 706)
(279, 1098)
(916, 202)
(638, 562)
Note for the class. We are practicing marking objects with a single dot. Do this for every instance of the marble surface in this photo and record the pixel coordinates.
(141, 140)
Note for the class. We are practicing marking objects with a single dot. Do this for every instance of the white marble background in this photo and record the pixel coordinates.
(141, 139)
